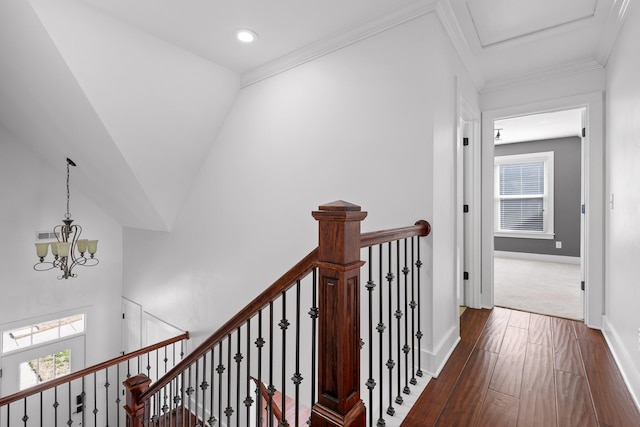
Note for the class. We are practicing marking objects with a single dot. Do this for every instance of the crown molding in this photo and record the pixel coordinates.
(611, 29)
(338, 41)
(563, 70)
(453, 29)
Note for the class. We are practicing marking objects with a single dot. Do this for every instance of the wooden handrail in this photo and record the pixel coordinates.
(297, 272)
(421, 228)
(88, 371)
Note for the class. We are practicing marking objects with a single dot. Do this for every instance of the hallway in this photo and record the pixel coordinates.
(513, 368)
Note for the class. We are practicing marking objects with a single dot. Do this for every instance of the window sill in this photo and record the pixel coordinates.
(524, 235)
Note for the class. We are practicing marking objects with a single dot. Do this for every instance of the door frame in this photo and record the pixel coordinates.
(593, 173)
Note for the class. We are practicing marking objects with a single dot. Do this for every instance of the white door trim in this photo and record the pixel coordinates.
(593, 194)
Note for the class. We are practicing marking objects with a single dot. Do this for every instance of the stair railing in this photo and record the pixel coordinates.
(273, 365)
(91, 396)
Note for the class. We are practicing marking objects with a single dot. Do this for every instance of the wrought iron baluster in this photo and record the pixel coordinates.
(398, 316)
(182, 399)
(248, 401)
(95, 399)
(371, 383)
(118, 389)
(195, 411)
(25, 417)
(390, 362)
(313, 313)
(297, 377)
(413, 305)
(381, 327)
(419, 333)
(106, 394)
(204, 386)
(259, 398)
(42, 407)
(284, 325)
(189, 392)
(271, 388)
(228, 412)
(212, 419)
(405, 348)
(238, 359)
(220, 371)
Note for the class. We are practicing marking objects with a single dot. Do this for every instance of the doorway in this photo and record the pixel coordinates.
(538, 190)
(593, 204)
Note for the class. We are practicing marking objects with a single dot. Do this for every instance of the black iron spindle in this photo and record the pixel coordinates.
(381, 327)
(371, 383)
(390, 362)
(248, 401)
(118, 389)
(25, 417)
(189, 393)
(182, 399)
(259, 398)
(413, 304)
(313, 313)
(42, 406)
(228, 412)
(220, 371)
(297, 377)
(405, 348)
(106, 395)
(272, 388)
(284, 325)
(95, 399)
(238, 359)
(419, 333)
(204, 386)
(398, 316)
(195, 410)
(212, 376)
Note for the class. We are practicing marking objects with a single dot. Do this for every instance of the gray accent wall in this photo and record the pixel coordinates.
(566, 197)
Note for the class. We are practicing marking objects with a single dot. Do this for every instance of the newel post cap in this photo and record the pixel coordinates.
(339, 210)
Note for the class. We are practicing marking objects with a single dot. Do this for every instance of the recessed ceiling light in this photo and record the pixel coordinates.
(246, 36)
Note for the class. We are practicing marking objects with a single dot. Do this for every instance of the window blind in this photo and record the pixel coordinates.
(521, 192)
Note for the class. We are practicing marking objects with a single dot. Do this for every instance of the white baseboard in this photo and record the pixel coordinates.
(436, 359)
(623, 359)
(538, 257)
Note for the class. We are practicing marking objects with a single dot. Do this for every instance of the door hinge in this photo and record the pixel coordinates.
(123, 315)
(583, 209)
(582, 285)
(0, 373)
(465, 141)
(465, 208)
(584, 132)
(466, 275)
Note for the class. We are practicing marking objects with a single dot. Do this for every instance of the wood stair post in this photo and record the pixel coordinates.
(339, 403)
(135, 386)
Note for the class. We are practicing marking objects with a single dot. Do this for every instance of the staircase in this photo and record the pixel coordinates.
(296, 354)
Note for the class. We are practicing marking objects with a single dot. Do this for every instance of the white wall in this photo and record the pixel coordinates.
(363, 124)
(622, 225)
(34, 199)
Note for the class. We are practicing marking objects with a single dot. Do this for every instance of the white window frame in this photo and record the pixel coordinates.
(547, 199)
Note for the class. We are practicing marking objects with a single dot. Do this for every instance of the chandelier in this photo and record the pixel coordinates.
(65, 251)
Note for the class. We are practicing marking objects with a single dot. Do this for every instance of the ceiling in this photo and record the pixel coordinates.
(535, 127)
(109, 61)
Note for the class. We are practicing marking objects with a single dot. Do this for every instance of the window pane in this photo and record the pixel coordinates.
(45, 368)
(519, 179)
(522, 214)
(46, 331)
(71, 325)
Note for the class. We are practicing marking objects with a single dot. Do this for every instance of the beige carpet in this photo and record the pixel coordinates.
(539, 287)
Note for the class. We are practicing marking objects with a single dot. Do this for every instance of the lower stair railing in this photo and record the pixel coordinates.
(292, 356)
(93, 396)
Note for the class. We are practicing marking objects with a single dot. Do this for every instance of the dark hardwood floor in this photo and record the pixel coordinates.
(513, 368)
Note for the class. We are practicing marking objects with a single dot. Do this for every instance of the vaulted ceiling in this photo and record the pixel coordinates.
(136, 91)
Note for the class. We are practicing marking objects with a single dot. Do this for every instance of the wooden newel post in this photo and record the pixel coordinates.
(135, 386)
(339, 402)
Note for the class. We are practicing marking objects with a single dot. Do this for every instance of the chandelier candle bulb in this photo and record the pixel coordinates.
(92, 245)
(82, 245)
(41, 250)
(54, 248)
(63, 248)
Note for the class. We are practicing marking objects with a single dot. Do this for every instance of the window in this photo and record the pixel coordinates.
(38, 333)
(45, 368)
(524, 195)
